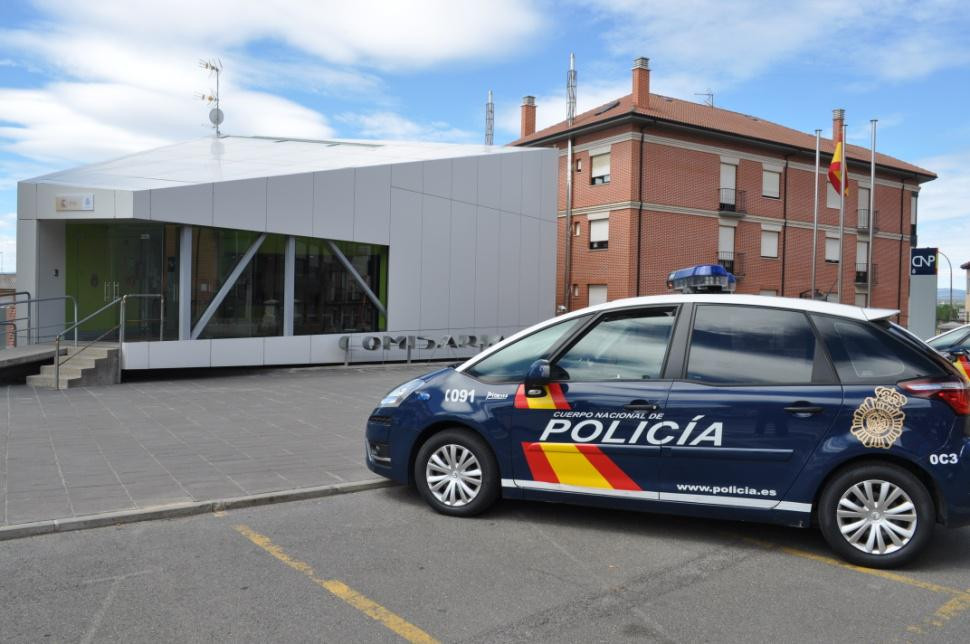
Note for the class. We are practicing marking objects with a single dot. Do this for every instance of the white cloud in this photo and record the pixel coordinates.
(720, 44)
(388, 35)
(389, 125)
(124, 72)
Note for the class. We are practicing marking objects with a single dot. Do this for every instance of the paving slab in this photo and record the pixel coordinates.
(183, 439)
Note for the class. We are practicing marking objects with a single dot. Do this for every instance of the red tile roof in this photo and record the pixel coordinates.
(714, 118)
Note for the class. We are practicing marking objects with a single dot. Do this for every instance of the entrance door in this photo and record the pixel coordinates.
(106, 261)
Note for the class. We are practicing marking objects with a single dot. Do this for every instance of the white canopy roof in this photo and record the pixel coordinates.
(229, 158)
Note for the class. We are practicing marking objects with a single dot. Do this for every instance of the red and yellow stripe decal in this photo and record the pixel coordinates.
(578, 464)
(553, 399)
(963, 366)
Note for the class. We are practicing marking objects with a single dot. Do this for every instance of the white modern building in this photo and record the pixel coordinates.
(282, 251)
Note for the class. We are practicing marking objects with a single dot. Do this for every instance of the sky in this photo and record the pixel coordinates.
(85, 82)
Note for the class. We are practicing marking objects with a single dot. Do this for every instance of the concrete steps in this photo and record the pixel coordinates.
(95, 365)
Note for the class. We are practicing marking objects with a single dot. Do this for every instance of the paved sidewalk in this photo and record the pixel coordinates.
(146, 444)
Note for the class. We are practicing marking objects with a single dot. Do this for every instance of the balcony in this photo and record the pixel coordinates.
(862, 223)
(862, 273)
(731, 202)
(731, 261)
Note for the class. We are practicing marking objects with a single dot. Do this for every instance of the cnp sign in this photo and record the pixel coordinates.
(922, 261)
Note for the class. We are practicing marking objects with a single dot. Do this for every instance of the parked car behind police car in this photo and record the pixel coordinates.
(755, 408)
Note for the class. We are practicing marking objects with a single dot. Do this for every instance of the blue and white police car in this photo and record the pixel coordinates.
(743, 407)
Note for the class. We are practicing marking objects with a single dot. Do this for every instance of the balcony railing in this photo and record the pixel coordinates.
(862, 272)
(731, 201)
(731, 261)
(862, 223)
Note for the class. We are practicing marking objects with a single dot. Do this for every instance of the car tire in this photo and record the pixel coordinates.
(456, 473)
(877, 515)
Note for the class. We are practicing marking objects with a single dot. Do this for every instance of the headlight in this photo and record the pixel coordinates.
(396, 396)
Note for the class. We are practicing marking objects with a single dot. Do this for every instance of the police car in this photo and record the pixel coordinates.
(755, 408)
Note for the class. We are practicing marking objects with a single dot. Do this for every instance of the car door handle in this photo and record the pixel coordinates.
(641, 405)
(804, 409)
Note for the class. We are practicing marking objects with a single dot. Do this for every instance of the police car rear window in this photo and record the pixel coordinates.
(751, 345)
(511, 363)
(867, 353)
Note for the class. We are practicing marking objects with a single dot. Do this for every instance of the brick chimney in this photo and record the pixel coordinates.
(838, 119)
(641, 83)
(528, 116)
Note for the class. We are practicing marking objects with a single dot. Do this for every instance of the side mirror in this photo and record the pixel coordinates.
(539, 375)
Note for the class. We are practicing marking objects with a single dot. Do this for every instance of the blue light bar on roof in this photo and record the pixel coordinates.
(702, 278)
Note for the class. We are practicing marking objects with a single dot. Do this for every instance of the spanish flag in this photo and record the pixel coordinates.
(835, 169)
(963, 366)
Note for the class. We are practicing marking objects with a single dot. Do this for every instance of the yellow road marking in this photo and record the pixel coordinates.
(342, 591)
(959, 603)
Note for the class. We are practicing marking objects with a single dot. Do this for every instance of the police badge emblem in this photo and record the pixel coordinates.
(878, 422)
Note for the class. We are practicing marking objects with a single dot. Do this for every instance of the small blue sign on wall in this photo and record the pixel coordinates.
(922, 261)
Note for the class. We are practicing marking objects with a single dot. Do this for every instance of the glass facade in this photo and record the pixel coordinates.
(106, 260)
(328, 299)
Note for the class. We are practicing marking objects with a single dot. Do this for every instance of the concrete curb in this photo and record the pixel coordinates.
(185, 509)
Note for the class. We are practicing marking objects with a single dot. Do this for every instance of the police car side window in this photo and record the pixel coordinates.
(747, 345)
(628, 345)
(511, 363)
(863, 353)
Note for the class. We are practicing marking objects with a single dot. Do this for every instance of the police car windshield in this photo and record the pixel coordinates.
(511, 363)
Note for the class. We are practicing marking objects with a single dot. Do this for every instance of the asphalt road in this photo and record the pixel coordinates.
(378, 565)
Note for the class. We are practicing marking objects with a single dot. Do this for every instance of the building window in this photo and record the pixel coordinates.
(771, 183)
(728, 192)
(253, 306)
(599, 233)
(832, 199)
(912, 209)
(831, 249)
(579, 165)
(862, 254)
(327, 298)
(769, 243)
(597, 294)
(577, 229)
(725, 248)
(860, 299)
(575, 290)
(599, 169)
(863, 209)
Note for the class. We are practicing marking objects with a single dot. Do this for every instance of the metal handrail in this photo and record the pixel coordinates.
(29, 301)
(121, 331)
(121, 302)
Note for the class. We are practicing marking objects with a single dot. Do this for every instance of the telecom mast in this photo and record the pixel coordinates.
(489, 119)
(571, 89)
(216, 117)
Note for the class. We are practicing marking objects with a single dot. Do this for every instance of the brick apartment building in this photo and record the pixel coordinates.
(660, 183)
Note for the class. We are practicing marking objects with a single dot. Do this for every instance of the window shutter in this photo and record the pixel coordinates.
(862, 253)
(770, 183)
(599, 230)
(597, 294)
(725, 239)
(831, 250)
(769, 243)
(600, 165)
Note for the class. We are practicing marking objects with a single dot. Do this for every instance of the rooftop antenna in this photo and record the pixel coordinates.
(489, 119)
(571, 89)
(216, 116)
(708, 96)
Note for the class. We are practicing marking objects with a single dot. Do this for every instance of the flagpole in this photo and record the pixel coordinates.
(818, 136)
(872, 213)
(843, 171)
